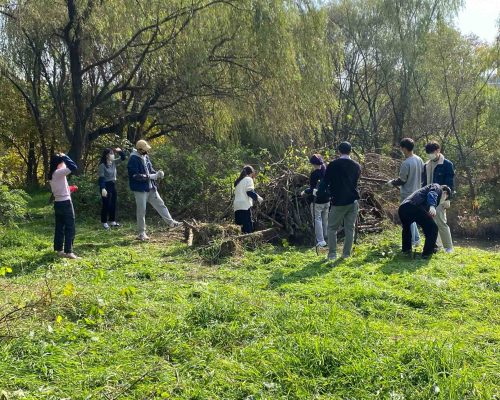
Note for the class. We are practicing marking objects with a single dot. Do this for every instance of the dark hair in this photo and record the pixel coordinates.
(446, 189)
(407, 143)
(431, 147)
(345, 148)
(247, 170)
(54, 162)
(316, 159)
(104, 156)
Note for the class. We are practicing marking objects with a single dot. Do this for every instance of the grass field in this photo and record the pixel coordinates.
(150, 320)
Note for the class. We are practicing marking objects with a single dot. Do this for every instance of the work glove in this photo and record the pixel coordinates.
(432, 211)
(259, 199)
(303, 193)
(104, 193)
(390, 183)
(153, 177)
(446, 204)
(160, 174)
(315, 191)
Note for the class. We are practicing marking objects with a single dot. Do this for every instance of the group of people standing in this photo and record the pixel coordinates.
(425, 192)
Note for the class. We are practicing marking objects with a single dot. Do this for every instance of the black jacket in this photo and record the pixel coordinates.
(341, 182)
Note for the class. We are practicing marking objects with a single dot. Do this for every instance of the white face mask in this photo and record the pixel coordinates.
(432, 156)
(111, 157)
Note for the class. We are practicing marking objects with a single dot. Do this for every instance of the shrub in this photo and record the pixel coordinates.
(13, 205)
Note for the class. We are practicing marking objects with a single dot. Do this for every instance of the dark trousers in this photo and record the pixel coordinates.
(244, 219)
(408, 214)
(108, 210)
(65, 226)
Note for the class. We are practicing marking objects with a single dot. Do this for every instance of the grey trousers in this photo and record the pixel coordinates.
(444, 237)
(152, 197)
(339, 215)
(320, 215)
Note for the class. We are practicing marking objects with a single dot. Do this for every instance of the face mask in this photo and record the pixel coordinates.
(432, 156)
(111, 157)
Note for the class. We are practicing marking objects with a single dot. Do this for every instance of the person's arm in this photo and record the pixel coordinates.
(450, 176)
(252, 194)
(122, 156)
(70, 164)
(134, 171)
(432, 198)
(424, 176)
(101, 181)
(324, 183)
(403, 175)
(313, 184)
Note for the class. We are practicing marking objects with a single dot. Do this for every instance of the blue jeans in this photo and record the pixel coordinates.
(415, 236)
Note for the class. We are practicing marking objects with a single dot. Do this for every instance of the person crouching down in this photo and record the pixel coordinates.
(143, 182)
(320, 205)
(420, 207)
(244, 196)
(60, 167)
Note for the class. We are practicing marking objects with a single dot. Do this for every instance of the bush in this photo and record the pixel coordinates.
(13, 205)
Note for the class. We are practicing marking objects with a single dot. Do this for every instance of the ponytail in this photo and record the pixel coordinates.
(246, 171)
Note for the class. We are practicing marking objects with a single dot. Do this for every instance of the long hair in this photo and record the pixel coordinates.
(104, 156)
(54, 162)
(247, 170)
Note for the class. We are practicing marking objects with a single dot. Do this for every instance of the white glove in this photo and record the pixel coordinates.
(432, 211)
(390, 183)
(303, 193)
(315, 191)
(104, 193)
(446, 204)
(259, 199)
(160, 174)
(153, 177)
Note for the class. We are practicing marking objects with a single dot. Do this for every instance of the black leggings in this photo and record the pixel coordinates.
(108, 210)
(244, 219)
(65, 226)
(408, 214)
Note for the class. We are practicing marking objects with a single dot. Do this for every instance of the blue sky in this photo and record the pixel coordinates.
(480, 17)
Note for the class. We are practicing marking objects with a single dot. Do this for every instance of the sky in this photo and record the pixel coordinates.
(480, 17)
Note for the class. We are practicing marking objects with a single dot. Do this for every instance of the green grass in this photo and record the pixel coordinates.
(150, 320)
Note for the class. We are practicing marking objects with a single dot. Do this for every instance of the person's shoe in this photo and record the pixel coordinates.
(61, 253)
(175, 224)
(143, 237)
(449, 250)
(321, 244)
(331, 258)
(345, 257)
(105, 226)
(416, 244)
(426, 256)
(71, 256)
(114, 224)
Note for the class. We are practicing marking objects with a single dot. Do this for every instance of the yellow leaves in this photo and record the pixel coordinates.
(69, 289)
(5, 270)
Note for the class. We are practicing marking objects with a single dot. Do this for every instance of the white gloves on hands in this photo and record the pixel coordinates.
(303, 193)
(104, 193)
(315, 191)
(160, 174)
(259, 199)
(432, 211)
(390, 183)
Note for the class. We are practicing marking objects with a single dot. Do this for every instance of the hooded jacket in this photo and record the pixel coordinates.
(140, 171)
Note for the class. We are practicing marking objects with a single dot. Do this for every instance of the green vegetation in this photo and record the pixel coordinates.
(150, 320)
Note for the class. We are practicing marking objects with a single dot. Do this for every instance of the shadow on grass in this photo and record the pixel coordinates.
(311, 270)
(27, 266)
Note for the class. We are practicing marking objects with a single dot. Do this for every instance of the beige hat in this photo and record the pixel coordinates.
(142, 145)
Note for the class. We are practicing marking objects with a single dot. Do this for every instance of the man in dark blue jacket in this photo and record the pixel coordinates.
(440, 170)
(143, 182)
(420, 207)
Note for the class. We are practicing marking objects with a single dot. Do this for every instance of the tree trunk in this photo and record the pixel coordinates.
(32, 167)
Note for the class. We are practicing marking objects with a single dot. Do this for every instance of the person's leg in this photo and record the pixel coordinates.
(406, 215)
(59, 228)
(247, 226)
(156, 201)
(415, 236)
(335, 218)
(349, 225)
(112, 201)
(69, 227)
(104, 209)
(430, 229)
(318, 223)
(141, 199)
(443, 228)
(324, 219)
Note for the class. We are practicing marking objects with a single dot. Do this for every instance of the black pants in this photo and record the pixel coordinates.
(65, 226)
(408, 214)
(244, 218)
(108, 210)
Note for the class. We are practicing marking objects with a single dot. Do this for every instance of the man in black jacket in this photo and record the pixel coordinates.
(420, 207)
(341, 184)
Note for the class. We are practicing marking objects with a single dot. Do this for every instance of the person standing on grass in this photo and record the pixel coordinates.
(107, 185)
(421, 207)
(60, 167)
(244, 196)
(341, 184)
(319, 204)
(441, 171)
(410, 179)
(143, 181)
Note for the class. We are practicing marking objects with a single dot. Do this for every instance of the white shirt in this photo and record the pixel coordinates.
(241, 199)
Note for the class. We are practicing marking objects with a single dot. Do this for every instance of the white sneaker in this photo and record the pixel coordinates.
(105, 225)
(61, 253)
(114, 223)
(321, 244)
(416, 244)
(71, 256)
(449, 250)
(331, 258)
(175, 224)
(143, 237)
